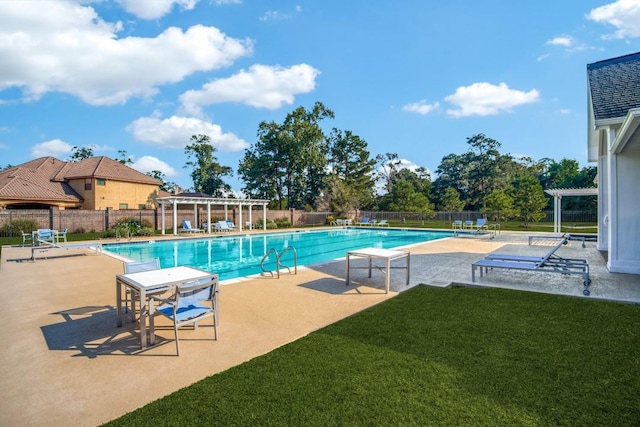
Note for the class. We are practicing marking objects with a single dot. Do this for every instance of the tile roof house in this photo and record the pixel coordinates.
(94, 183)
(614, 143)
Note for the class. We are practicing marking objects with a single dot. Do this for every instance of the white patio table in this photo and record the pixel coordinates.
(148, 281)
(386, 255)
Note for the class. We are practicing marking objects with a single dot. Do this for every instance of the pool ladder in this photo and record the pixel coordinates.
(279, 265)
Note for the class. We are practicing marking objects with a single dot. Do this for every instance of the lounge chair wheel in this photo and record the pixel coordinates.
(586, 292)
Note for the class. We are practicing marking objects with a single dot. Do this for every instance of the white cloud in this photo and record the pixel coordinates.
(149, 163)
(420, 107)
(154, 9)
(543, 57)
(622, 14)
(565, 41)
(176, 132)
(55, 148)
(565, 111)
(222, 2)
(484, 99)
(59, 46)
(262, 86)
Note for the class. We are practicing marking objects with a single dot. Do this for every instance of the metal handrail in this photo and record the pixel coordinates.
(295, 260)
(279, 265)
(266, 257)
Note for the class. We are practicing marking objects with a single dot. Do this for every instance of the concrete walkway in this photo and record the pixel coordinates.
(64, 362)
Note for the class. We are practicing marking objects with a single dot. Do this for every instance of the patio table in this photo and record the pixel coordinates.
(386, 255)
(148, 281)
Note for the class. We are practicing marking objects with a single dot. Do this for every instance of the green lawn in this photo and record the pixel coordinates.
(430, 356)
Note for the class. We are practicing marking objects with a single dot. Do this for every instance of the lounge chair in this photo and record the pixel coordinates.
(186, 308)
(365, 221)
(550, 263)
(187, 228)
(481, 223)
(383, 222)
(222, 226)
(231, 225)
(372, 222)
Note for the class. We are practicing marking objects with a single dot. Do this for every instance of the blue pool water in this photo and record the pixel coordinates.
(240, 255)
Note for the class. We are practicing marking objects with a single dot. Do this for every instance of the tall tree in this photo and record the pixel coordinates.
(124, 158)
(483, 171)
(451, 201)
(529, 199)
(350, 161)
(388, 166)
(207, 174)
(78, 153)
(169, 187)
(288, 162)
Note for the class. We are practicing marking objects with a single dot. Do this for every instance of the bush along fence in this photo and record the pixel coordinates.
(146, 221)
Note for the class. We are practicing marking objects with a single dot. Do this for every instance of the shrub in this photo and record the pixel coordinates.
(17, 225)
(282, 223)
(130, 227)
(330, 219)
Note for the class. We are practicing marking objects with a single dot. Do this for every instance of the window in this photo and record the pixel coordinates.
(101, 181)
(142, 207)
(87, 184)
(124, 206)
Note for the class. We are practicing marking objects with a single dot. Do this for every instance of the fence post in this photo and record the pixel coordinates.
(106, 218)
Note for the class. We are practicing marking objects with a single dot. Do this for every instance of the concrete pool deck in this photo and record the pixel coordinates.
(64, 361)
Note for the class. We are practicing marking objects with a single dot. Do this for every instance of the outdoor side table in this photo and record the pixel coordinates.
(385, 255)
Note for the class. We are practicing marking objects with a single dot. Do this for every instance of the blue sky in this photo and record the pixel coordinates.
(416, 78)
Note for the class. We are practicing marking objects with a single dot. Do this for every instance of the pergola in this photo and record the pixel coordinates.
(176, 200)
(557, 194)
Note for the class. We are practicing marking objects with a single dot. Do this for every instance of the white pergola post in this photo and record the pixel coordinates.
(209, 217)
(175, 217)
(240, 217)
(162, 221)
(264, 217)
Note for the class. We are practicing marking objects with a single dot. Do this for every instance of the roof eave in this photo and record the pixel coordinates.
(629, 127)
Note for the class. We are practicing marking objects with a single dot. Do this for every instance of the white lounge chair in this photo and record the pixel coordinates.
(365, 221)
(187, 228)
(383, 223)
(222, 226)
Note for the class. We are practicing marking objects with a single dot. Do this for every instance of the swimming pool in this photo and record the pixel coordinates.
(240, 255)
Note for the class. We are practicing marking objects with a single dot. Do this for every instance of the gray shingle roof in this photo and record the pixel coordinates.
(614, 85)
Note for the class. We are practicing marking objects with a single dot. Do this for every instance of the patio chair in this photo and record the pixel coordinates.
(138, 267)
(187, 228)
(457, 224)
(468, 224)
(60, 235)
(231, 225)
(383, 222)
(44, 235)
(186, 306)
(550, 263)
(27, 238)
